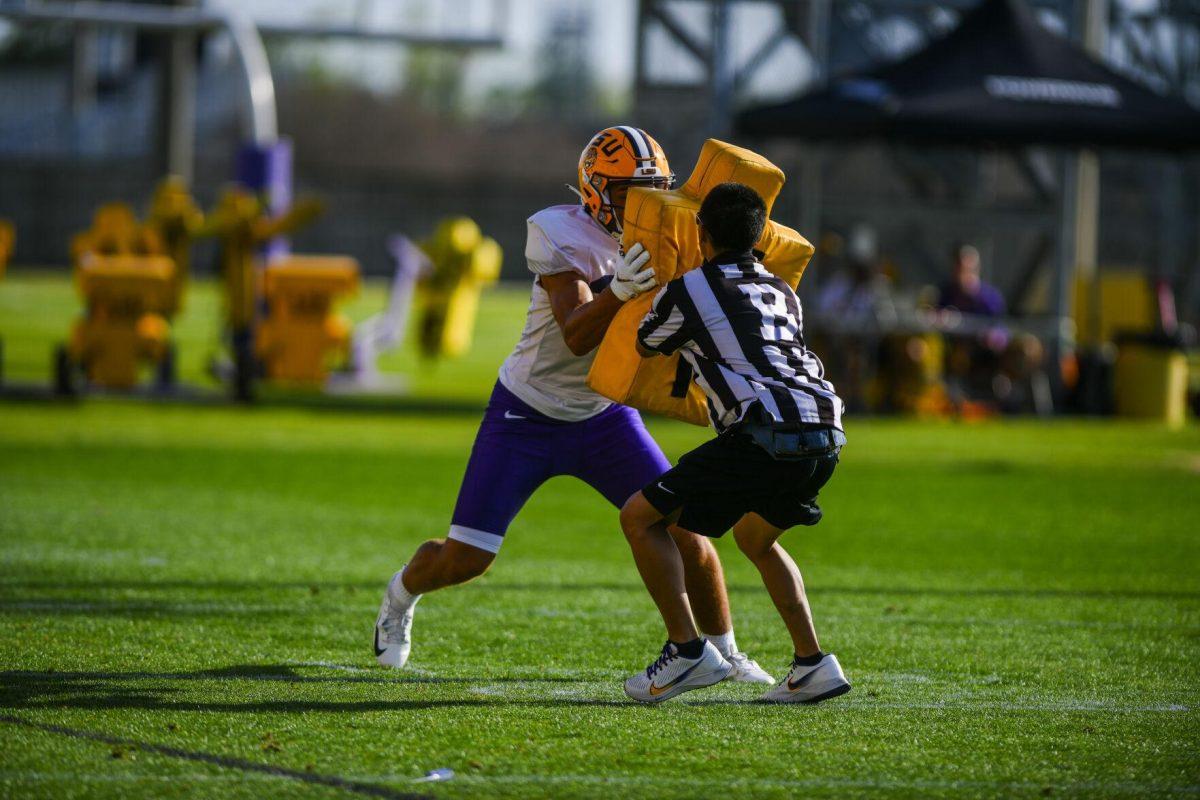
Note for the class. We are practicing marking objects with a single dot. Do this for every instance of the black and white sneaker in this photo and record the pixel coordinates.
(812, 684)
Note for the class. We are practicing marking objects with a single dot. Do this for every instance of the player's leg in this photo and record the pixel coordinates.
(621, 458)
(687, 661)
(511, 457)
(705, 580)
(436, 564)
(661, 566)
(704, 577)
(814, 675)
(758, 540)
(439, 563)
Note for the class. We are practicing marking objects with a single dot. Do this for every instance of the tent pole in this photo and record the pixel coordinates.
(1079, 246)
(1093, 25)
(1064, 337)
(812, 155)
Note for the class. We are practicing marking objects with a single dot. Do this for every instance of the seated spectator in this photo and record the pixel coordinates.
(966, 291)
(972, 359)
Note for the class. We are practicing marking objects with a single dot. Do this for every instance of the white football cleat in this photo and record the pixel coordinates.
(393, 628)
(673, 674)
(746, 670)
(810, 684)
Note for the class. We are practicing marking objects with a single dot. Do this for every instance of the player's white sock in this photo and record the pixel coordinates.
(745, 669)
(724, 642)
(400, 596)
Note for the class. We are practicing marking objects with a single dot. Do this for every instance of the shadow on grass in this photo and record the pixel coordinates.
(224, 762)
(270, 673)
(270, 398)
(484, 585)
(28, 690)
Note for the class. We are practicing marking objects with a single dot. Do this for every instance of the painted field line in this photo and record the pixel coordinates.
(603, 691)
(347, 667)
(224, 762)
(606, 692)
(317, 607)
(474, 671)
(95, 777)
(159, 608)
(734, 784)
(1128, 787)
(1001, 705)
(1010, 622)
(561, 684)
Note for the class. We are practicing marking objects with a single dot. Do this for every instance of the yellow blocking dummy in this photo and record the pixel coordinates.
(176, 220)
(123, 325)
(464, 261)
(300, 332)
(115, 231)
(242, 224)
(665, 224)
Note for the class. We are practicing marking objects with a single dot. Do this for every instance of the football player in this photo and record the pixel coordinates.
(543, 420)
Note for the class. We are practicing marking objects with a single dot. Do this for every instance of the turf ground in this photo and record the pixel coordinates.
(187, 593)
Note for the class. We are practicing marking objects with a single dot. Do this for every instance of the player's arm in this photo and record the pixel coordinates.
(584, 317)
(665, 328)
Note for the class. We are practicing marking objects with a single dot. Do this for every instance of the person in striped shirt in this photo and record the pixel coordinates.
(779, 424)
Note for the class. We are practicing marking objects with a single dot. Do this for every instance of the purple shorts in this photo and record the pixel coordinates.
(518, 449)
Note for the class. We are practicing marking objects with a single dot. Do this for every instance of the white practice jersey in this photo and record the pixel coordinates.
(542, 371)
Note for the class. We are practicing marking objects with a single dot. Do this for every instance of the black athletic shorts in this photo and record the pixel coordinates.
(730, 476)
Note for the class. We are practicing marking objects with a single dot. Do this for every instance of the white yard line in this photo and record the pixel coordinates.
(1132, 787)
(317, 606)
(812, 783)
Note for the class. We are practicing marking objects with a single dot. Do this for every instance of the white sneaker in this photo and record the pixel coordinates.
(673, 674)
(810, 684)
(746, 670)
(393, 628)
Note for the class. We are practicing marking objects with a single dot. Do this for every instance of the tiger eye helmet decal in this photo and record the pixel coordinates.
(619, 155)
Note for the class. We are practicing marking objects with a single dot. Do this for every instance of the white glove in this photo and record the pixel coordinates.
(631, 279)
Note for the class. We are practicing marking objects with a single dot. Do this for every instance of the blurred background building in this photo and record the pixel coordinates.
(404, 111)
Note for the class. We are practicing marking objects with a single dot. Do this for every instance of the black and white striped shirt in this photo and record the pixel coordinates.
(740, 329)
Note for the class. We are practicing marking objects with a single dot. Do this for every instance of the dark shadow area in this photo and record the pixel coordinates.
(198, 584)
(206, 397)
(984, 467)
(132, 609)
(368, 404)
(579, 586)
(280, 673)
(225, 762)
(27, 690)
(1091, 594)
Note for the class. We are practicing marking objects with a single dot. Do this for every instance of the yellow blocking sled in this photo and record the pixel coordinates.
(665, 224)
(301, 332)
(126, 298)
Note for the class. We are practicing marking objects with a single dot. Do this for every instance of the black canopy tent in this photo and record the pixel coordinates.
(999, 78)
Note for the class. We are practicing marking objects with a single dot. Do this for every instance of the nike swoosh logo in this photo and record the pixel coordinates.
(665, 489)
(378, 649)
(794, 686)
(510, 415)
(655, 691)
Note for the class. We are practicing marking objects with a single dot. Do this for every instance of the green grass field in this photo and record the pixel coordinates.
(187, 595)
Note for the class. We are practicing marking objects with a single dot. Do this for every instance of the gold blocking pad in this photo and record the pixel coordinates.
(665, 224)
